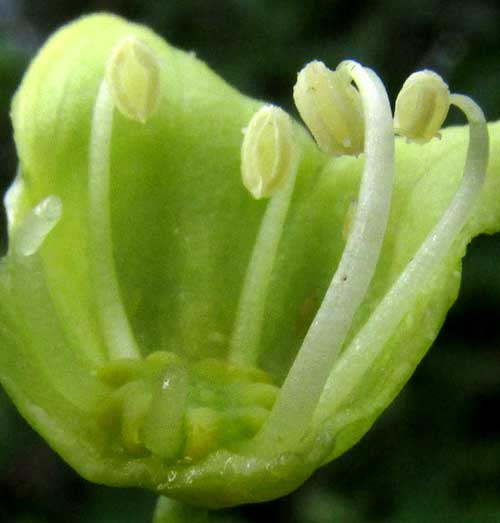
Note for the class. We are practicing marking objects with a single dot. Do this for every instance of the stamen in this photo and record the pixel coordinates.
(117, 332)
(331, 108)
(371, 339)
(132, 84)
(304, 384)
(269, 165)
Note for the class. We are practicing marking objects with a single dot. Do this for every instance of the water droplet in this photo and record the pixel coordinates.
(37, 225)
(172, 475)
(189, 477)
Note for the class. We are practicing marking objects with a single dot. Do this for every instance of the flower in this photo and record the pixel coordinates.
(163, 328)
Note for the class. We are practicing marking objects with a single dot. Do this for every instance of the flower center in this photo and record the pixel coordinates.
(162, 406)
(183, 410)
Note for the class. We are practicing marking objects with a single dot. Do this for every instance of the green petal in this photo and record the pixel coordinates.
(183, 230)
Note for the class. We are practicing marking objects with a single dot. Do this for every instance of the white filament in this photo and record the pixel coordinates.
(306, 379)
(246, 337)
(116, 328)
(371, 339)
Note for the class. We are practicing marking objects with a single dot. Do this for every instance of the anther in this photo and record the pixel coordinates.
(132, 75)
(267, 152)
(421, 106)
(331, 108)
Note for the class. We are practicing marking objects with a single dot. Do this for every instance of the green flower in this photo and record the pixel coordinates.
(162, 324)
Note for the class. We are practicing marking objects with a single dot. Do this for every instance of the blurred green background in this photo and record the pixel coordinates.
(434, 456)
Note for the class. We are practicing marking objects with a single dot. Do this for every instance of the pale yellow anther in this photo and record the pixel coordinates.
(133, 78)
(331, 108)
(268, 151)
(421, 106)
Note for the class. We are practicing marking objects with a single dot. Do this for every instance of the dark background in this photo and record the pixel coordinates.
(434, 456)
